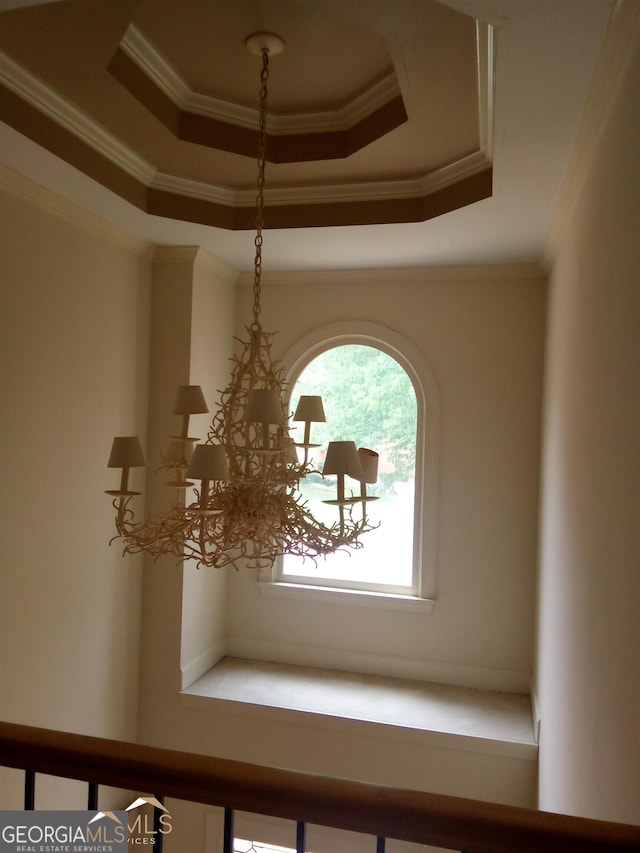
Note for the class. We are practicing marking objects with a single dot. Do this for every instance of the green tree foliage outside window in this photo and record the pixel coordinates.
(368, 398)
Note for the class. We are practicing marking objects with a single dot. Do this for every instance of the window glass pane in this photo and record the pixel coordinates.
(368, 398)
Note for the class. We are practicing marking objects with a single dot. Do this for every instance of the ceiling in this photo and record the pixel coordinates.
(401, 133)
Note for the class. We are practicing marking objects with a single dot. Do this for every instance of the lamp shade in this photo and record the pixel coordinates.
(209, 462)
(190, 401)
(289, 453)
(369, 464)
(310, 408)
(264, 406)
(126, 452)
(342, 458)
(178, 452)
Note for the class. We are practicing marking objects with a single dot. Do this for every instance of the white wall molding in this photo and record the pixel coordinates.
(195, 668)
(348, 660)
(417, 368)
(346, 597)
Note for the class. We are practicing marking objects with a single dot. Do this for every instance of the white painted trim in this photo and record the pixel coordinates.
(535, 708)
(486, 85)
(48, 102)
(329, 194)
(192, 670)
(196, 256)
(197, 189)
(621, 44)
(427, 435)
(348, 597)
(348, 660)
(403, 275)
(49, 201)
(151, 62)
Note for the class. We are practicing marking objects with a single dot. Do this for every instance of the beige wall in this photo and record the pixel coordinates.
(482, 333)
(191, 341)
(74, 373)
(589, 617)
(77, 348)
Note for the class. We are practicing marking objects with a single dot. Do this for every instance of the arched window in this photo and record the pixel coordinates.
(373, 386)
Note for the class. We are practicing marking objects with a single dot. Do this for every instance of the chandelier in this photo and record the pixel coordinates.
(248, 508)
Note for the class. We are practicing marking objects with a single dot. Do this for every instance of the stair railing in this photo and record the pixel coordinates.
(452, 823)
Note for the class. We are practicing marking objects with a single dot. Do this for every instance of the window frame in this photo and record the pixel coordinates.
(415, 365)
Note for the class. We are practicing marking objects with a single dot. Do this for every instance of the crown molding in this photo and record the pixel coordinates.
(44, 99)
(620, 46)
(196, 257)
(163, 75)
(450, 174)
(485, 57)
(47, 101)
(29, 191)
(401, 275)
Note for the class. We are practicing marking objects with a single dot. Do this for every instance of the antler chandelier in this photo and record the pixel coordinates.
(248, 508)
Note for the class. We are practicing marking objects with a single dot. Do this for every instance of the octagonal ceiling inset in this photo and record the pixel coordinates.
(378, 112)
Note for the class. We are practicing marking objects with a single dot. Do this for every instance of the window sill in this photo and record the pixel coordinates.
(351, 597)
(437, 715)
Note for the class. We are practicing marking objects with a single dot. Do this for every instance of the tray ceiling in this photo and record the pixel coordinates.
(371, 119)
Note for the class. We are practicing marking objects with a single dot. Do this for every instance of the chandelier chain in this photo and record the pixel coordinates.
(262, 149)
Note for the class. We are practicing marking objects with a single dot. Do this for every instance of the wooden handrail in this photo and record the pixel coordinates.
(442, 821)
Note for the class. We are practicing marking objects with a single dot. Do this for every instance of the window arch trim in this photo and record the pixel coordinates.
(324, 338)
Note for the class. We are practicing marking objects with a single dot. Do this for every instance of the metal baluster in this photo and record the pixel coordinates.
(380, 845)
(159, 837)
(227, 838)
(29, 790)
(92, 797)
(300, 837)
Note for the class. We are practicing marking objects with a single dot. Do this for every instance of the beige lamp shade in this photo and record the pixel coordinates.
(190, 401)
(310, 408)
(179, 451)
(369, 464)
(126, 452)
(209, 462)
(264, 406)
(289, 453)
(342, 458)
